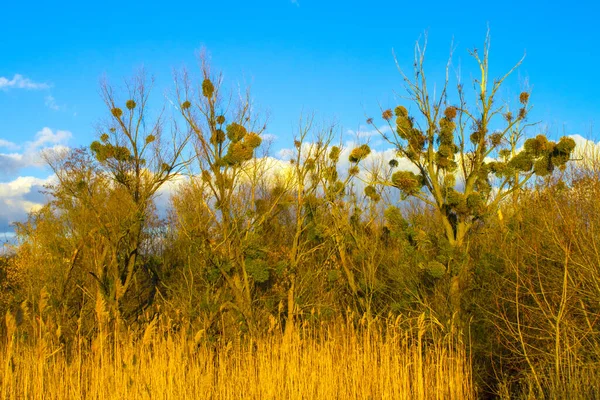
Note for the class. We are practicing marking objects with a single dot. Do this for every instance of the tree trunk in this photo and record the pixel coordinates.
(291, 305)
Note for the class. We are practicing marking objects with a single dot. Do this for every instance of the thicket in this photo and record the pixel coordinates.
(490, 235)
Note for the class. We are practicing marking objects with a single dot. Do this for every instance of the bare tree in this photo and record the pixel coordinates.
(137, 157)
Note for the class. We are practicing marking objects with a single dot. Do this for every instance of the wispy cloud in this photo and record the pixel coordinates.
(364, 132)
(268, 137)
(295, 2)
(8, 145)
(20, 82)
(50, 102)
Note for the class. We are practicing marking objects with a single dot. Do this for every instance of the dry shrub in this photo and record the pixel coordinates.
(546, 291)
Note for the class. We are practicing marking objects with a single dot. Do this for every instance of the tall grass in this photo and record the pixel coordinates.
(337, 361)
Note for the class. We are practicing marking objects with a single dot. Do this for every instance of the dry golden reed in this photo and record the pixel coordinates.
(337, 361)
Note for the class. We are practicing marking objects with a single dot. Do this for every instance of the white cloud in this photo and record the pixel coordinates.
(376, 161)
(585, 147)
(285, 153)
(295, 2)
(46, 136)
(20, 82)
(11, 163)
(45, 140)
(19, 197)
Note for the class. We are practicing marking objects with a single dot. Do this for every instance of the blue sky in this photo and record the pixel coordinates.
(329, 57)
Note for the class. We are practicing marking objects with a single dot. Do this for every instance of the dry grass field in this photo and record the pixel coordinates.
(335, 362)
